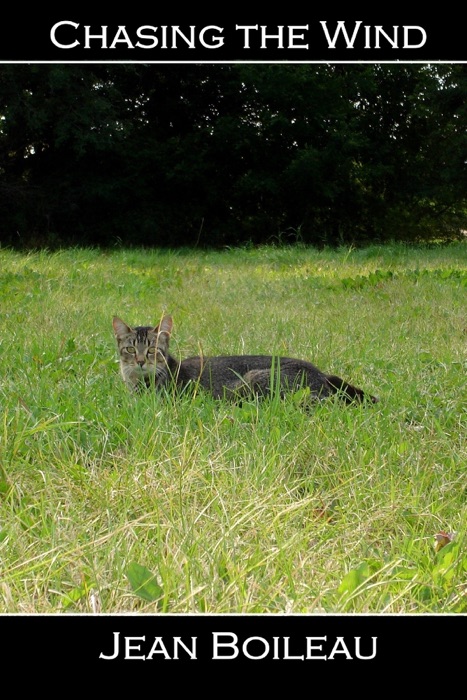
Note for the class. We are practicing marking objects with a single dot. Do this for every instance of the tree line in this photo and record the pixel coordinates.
(225, 154)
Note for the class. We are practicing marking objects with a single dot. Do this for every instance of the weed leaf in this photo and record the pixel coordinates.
(74, 596)
(354, 578)
(143, 582)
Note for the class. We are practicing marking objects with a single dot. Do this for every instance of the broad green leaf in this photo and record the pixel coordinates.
(4, 486)
(354, 578)
(143, 582)
(301, 395)
(74, 596)
(447, 554)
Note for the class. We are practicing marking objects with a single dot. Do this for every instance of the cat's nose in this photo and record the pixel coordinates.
(141, 362)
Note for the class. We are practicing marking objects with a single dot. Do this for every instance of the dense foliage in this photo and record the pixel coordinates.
(225, 154)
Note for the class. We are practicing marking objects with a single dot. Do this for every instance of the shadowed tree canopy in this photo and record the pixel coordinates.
(214, 155)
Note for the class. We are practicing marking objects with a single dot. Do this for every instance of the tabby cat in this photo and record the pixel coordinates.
(145, 361)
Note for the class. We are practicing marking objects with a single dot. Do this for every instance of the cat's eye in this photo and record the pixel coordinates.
(152, 350)
(131, 349)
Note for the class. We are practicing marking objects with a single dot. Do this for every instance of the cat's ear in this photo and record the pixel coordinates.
(120, 328)
(165, 326)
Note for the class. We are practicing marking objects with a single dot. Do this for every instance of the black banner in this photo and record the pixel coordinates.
(155, 35)
(191, 647)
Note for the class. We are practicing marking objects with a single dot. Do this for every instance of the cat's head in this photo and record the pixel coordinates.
(144, 351)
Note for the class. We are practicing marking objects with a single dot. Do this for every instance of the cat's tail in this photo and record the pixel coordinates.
(349, 392)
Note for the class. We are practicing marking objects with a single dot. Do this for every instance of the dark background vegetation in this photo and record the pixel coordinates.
(213, 155)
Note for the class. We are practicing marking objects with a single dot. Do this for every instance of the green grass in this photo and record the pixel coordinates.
(254, 508)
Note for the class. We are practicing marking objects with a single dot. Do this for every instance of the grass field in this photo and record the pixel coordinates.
(116, 503)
